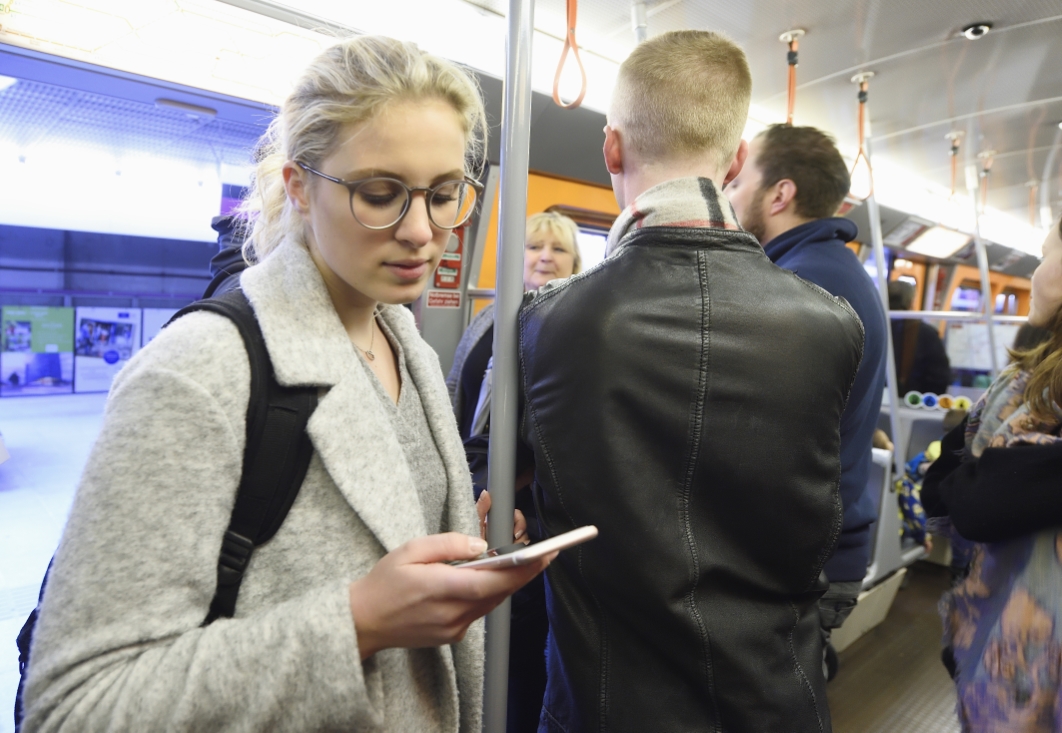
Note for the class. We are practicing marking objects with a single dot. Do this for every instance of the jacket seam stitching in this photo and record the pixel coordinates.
(696, 429)
(603, 649)
(800, 670)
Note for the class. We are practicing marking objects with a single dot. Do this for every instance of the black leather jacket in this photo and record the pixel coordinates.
(685, 397)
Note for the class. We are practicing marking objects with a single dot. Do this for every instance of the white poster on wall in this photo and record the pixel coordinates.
(968, 346)
(153, 321)
(104, 340)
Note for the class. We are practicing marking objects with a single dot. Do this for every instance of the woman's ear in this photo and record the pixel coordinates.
(296, 186)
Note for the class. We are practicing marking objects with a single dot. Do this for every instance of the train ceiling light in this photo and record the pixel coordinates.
(938, 242)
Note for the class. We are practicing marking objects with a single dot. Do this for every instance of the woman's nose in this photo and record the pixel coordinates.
(415, 227)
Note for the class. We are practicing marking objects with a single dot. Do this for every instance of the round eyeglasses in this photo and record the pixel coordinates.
(380, 203)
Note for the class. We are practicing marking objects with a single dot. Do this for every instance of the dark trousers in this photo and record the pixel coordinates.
(527, 657)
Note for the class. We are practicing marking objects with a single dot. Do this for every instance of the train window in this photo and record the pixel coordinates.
(872, 268)
(1007, 304)
(592, 246)
(966, 299)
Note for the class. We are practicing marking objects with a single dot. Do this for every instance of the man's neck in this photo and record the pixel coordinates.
(639, 178)
(778, 225)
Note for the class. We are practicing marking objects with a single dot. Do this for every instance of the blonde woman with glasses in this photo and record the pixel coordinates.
(350, 617)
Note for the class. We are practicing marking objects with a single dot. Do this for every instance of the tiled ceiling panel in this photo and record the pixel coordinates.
(35, 114)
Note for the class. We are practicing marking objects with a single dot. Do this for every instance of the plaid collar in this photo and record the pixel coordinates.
(682, 202)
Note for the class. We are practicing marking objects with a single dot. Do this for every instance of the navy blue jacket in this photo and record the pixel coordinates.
(816, 252)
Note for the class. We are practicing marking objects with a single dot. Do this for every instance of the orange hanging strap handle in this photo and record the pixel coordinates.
(792, 39)
(955, 137)
(1034, 186)
(570, 43)
(987, 157)
(864, 84)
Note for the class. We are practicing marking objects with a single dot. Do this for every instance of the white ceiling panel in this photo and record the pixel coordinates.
(1004, 91)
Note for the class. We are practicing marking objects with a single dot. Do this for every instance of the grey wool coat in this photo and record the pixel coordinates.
(119, 646)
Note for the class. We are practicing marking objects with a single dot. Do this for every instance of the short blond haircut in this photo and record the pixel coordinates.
(563, 228)
(683, 93)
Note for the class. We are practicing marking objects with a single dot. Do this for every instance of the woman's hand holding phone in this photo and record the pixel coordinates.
(412, 598)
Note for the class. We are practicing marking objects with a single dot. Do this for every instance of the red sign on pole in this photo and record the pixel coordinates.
(444, 299)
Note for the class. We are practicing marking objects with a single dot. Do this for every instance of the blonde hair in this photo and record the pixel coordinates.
(563, 228)
(349, 83)
(682, 93)
(1043, 391)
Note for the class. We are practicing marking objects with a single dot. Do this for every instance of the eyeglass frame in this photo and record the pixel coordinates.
(352, 186)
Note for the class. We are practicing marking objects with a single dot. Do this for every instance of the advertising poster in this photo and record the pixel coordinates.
(36, 350)
(104, 340)
(968, 346)
(153, 321)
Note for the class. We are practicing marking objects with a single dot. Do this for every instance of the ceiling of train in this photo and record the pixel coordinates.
(1003, 91)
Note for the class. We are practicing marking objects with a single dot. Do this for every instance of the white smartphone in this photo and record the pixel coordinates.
(513, 555)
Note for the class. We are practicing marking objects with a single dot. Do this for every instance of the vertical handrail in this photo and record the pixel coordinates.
(501, 456)
(973, 185)
(899, 439)
(892, 386)
(1046, 219)
(639, 21)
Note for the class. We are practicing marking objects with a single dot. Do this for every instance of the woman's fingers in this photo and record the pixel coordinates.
(482, 508)
(473, 584)
(411, 598)
(437, 548)
(520, 527)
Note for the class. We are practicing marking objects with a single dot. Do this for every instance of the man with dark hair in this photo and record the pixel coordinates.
(786, 196)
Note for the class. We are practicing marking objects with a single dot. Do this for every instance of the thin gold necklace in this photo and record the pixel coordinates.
(372, 339)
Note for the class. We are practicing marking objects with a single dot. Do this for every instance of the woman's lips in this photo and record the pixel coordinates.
(408, 270)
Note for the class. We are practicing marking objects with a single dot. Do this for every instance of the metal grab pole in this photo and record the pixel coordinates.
(639, 21)
(973, 185)
(501, 456)
(892, 386)
(1045, 182)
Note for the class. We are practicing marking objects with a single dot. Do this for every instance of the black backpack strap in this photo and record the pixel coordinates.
(276, 455)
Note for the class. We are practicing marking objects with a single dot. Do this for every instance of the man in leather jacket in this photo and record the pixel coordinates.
(685, 396)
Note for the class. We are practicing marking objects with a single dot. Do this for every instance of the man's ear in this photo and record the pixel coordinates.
(296, 187)
(738, 163)
(782, 195)
(613, 151)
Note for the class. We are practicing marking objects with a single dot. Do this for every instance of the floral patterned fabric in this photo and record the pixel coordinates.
(1004, 622)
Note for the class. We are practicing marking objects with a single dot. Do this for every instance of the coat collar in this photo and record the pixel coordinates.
(350, 429)
(819, 231)
(691, 202)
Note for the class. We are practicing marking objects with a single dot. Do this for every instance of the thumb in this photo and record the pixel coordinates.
(439, 548)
